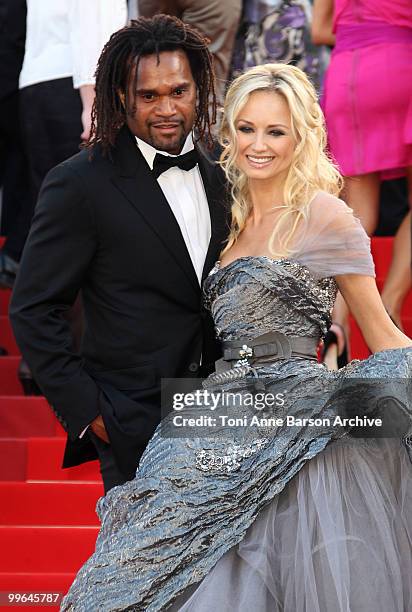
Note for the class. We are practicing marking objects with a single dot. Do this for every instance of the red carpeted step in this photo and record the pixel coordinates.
(44, 459)
(7, 340)
(23, 417)
(35, 583)
(45, 549)
(26, 503)
(9, 383)
(359, 349)
(13, 459)
(5, 295)
(407, 324)
(407, 306)
(381, 248)
(59, 431)
(382, 255)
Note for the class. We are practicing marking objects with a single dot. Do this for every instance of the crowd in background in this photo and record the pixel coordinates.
(48, 55)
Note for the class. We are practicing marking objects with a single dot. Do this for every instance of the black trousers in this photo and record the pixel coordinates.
(50, 114)
(14, 178)
(111, 475)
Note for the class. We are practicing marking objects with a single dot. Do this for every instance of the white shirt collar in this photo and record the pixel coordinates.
(149, 152)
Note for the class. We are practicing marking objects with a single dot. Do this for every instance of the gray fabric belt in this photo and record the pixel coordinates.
(267, 347)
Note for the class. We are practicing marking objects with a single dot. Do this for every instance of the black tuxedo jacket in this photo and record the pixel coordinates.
(103, 227)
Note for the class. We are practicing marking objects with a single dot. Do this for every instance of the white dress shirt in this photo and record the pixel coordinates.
(65, 38)
(185, 193)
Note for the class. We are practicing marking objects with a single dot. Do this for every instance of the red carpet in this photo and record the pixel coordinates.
(48, 524)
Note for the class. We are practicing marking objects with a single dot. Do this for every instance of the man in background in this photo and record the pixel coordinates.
(56, 92)
(216, 19)
(13, 164)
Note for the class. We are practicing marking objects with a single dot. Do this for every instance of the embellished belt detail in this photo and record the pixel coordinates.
(242, 355)
(239, 356)
(270, 345)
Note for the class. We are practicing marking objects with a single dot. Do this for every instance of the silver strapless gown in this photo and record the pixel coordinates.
(286, 519)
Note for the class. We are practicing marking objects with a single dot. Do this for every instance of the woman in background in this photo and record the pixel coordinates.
(368, 111)
(278, 31)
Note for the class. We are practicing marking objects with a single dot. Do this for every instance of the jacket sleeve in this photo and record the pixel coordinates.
(58, 253)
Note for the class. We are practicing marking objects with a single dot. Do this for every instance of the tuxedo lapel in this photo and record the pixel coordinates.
(215, 194)
(136, 182)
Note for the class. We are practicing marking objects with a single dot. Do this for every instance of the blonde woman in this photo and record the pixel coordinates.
(272, 506)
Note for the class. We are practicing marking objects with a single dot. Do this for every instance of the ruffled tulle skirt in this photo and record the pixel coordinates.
(337, 539)
(295, 519)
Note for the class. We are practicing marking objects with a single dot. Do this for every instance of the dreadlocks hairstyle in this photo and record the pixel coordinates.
(121, 56)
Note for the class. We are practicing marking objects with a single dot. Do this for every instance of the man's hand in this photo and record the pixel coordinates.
(98, 428)
(86, 123)
(87, 94)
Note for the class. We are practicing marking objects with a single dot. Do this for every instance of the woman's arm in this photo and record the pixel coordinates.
(322, 21)
(363, 300)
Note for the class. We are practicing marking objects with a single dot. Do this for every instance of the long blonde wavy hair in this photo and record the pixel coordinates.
(311, 169)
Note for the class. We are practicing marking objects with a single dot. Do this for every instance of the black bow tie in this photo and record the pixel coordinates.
(162, 163)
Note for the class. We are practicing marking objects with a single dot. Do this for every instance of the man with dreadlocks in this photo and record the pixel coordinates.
(135, 222)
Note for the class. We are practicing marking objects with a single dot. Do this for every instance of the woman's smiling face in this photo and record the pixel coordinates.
(264, 137)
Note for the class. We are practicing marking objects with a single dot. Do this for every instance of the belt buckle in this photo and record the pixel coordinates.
(245, 352)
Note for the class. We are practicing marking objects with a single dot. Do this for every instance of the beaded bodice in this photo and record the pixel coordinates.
(254, 295)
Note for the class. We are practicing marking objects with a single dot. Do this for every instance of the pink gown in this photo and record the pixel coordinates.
(368, 87)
